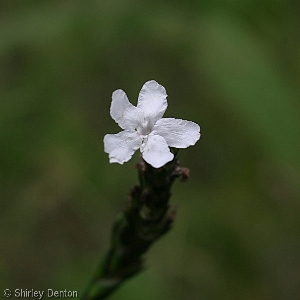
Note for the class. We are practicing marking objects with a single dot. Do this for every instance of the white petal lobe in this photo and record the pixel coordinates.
(152, 100)
(121, 146)
(156, 151)
(123, 112)
(178, 133)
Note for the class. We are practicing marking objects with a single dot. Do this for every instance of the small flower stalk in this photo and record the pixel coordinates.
(148, 214)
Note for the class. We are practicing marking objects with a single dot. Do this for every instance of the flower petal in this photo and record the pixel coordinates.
(177, 133)
(152, 100)
(121, 146)
(156, 151)
(123, 112)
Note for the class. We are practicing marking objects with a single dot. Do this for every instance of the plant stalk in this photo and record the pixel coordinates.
(146, 218)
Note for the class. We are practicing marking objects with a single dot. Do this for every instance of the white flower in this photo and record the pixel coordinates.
(145, 129)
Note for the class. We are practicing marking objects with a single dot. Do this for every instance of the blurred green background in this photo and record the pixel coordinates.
(231, 66)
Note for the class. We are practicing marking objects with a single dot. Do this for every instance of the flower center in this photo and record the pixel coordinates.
(145, 128)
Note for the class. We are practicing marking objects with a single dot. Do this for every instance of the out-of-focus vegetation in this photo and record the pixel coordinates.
(231, 66)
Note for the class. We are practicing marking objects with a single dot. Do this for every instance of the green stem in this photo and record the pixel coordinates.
(147, 217)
